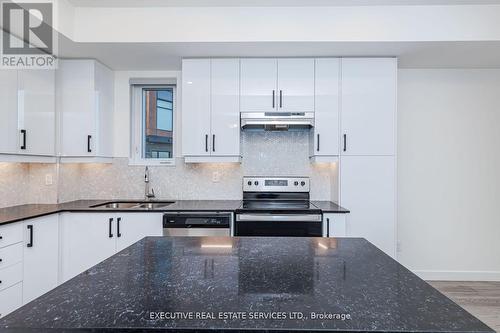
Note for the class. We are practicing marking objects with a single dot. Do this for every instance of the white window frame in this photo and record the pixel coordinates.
(137, 126)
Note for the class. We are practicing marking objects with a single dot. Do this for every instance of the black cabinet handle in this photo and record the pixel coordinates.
(111, 227)
(213, 142)
(206, 142)
(1, 237)
(89, 138)
(118, 233)
(317, 148)
(281, 98)
(345, 142)
(273, 98)
(327, 227)
(30, 228)
(23, 132)
(1, 259)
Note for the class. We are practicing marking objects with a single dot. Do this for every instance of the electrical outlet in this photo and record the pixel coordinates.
(216, 176)
(48, 179)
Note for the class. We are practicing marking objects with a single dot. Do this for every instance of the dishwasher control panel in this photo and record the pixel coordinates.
(197, 220)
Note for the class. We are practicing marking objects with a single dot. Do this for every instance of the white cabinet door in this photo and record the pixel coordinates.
(133, 227)
(104, 90)
(335, 224)
(11, 299)
(86, 239)
(327, 102)
(368, 106)
(196, 107)
(367, 189)
(225, 120)
(37, 115)
(258, 85)
(76, 102)
(295, 85)
(9, 133)
(41, 256)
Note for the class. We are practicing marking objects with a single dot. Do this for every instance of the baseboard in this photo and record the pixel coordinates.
(458, 275)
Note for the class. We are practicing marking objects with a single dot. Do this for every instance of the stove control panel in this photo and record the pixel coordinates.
(275, 184)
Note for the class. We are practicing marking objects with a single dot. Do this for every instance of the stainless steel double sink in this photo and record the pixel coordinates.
(134, 205)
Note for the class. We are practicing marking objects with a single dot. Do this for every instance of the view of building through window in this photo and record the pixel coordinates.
(158, 114)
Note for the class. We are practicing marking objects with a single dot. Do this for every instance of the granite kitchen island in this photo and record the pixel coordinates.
(279, 284)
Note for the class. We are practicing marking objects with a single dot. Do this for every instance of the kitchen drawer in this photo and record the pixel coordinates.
(11, 255)
(11, 299)
(11, 234)
(11, 275)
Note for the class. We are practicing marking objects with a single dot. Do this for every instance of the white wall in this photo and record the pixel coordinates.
(449, 173)
(286, 23)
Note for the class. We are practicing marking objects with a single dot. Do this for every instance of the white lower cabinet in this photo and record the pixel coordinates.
(89, 238)
(336, 224)
(11, 299)
(367, 189)
(41, 256)
(136, 226)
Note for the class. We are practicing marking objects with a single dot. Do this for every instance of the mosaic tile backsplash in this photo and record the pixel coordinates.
(263, 154)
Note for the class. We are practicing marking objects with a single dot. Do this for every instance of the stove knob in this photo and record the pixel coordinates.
(296, 183)
(249, 183)
(303, 183)
(256, 183)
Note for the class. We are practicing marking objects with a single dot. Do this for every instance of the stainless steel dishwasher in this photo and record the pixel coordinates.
(197, 224)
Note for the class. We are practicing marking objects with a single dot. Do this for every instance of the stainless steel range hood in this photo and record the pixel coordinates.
(277, 120)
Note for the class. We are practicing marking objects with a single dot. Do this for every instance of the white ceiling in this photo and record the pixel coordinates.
(270, 3)
(167, 56)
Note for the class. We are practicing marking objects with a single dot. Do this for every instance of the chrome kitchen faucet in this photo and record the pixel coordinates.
(149, 192)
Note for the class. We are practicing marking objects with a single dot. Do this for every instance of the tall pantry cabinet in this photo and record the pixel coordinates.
(368, 149)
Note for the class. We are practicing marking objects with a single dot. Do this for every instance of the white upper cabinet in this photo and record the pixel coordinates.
(277, 85)
(85, 91)
(368, 111)
(196, 107)
(258, 85)
(225, 103)
(327, 104)
(9, 132)
(210, 110)
(295, 85)
(37, 116)
(27, 115)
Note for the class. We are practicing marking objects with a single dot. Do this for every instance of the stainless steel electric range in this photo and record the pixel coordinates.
(277, 206)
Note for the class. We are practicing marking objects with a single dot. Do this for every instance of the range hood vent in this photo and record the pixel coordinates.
(277, 121)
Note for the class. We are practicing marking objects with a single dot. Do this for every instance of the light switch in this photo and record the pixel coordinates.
(48, 179)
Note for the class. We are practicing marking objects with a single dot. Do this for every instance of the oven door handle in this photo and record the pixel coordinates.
(279, 218)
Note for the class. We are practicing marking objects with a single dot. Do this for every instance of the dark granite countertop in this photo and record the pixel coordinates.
(330, 207)
(140, 289)
(23, 212)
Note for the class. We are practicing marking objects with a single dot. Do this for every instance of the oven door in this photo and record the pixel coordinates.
(285, 225)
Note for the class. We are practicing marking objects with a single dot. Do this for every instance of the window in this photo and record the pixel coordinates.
(153, 124)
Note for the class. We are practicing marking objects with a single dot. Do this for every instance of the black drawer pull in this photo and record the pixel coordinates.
(273, 98)
(213, 142)
(89, 138)
(318, 143)
(118, 233)
(206, 142)
(30, 228)
(110, 228)
(23, 132)
(345, 142)
(281, 99)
